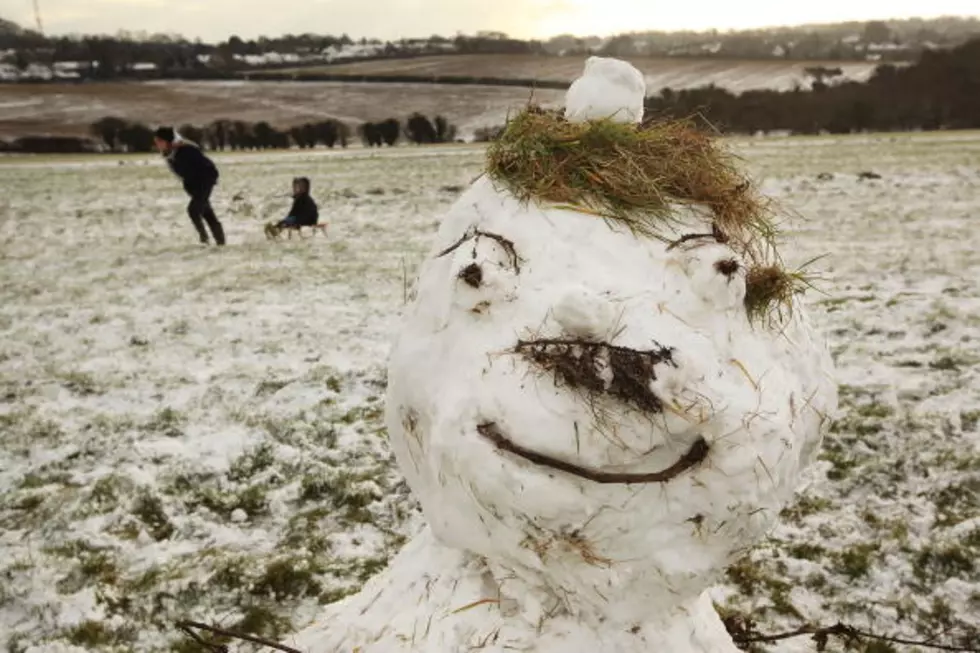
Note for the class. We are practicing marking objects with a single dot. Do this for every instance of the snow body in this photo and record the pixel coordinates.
(522, 556)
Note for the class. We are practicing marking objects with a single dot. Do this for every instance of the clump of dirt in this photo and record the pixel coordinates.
(727, 267)
(472, 275)
(601, 369)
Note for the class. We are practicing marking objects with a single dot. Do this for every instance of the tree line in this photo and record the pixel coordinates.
(110, 57)
(940, 91)
(114, 134)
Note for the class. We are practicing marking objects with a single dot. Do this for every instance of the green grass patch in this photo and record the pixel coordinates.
(935, 565)
(252, 462)
(167, 422)
(81, 383)
(856, 562)
(148, 508)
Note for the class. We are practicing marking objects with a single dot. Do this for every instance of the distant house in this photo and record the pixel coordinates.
(69, 69)
(70, 66)
(268, 58)
(885, 47)
(354, 51)
(37, 71)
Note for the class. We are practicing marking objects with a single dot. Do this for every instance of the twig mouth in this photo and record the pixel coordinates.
(697, 453)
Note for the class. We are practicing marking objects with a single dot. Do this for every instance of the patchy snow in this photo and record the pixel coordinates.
(110, 314)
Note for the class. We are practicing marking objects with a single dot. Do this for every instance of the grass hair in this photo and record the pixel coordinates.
(639, 176)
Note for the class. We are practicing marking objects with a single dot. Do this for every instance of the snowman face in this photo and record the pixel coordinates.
(594, 407)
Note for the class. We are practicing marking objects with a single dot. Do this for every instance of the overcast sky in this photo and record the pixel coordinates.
(389, 19)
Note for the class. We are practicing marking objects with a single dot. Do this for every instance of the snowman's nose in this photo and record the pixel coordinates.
(582, 313)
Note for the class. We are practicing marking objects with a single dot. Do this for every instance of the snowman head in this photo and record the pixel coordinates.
(592, 410)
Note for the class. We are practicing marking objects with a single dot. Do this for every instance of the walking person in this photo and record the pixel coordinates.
(199, 176)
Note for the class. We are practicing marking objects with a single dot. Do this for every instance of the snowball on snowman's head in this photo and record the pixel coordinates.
(609, 88)
(584, 390)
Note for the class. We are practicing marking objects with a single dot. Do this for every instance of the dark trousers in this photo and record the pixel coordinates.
(200, 211)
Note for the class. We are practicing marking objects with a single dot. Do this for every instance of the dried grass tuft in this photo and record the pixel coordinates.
(771, 289)
(639, 176)
(633, 174)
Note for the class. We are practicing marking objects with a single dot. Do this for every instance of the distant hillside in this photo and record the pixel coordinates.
(25, 54)
(876, 40)
(555, 71)
(940, 91)
(69, 109)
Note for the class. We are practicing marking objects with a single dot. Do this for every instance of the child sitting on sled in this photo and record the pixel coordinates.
(304, 212)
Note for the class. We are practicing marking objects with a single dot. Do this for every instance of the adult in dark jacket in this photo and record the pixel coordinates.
(199, 176)
(304, 212)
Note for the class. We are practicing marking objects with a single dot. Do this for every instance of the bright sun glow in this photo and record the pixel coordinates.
(612, 16)
(218, 19)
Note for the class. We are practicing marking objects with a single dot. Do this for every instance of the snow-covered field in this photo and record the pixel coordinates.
(69, 109)
(192, 433)
(678, 73)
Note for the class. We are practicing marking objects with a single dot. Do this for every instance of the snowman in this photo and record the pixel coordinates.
(594, 425)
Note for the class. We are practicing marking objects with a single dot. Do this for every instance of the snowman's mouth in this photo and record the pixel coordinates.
(697, 452)
(599, 370)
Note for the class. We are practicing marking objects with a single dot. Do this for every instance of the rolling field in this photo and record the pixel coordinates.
(197, 433)
(69, 109)
(676, 72)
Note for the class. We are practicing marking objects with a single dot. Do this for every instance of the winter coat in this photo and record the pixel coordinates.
(304, 210)
(194, 168)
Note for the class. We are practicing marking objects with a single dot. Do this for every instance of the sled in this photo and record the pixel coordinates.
(274, 232)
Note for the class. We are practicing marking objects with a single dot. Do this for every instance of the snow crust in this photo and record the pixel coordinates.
(521, 556)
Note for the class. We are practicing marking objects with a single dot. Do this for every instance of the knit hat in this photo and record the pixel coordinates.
(165, 134)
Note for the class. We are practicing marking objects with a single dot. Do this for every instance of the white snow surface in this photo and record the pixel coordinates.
(149, 388)
(522, 556)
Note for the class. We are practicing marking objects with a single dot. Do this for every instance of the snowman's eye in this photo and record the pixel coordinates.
(471, 275)
(727, 267)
